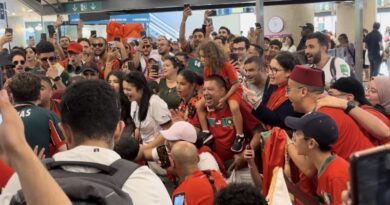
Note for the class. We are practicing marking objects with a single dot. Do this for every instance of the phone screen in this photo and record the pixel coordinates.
(233, 57)
(93, 33)
(155, 68)
(179, 199)
(9, 30)
(43, 37)
(163, 156)
(370, 178)
(51, 30)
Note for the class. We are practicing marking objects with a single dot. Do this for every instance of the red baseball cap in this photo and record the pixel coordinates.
(308, 76)
(75, 47)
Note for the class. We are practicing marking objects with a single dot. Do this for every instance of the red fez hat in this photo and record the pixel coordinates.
(308, 76)
(75, 47)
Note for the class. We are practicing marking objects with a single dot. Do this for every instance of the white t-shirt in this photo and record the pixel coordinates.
(143, 186)
(207, 162)
(292, 49)
(158, 114)
(342, 70)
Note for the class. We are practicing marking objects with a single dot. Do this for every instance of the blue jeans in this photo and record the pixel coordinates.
(375, 64)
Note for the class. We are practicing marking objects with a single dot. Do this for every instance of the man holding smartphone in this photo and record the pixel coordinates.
(197, 187)
(7, 38)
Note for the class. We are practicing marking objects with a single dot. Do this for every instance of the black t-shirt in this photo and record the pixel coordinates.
(372, 41)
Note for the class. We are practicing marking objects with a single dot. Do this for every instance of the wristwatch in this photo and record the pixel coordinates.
(57, 78)
(350, 106)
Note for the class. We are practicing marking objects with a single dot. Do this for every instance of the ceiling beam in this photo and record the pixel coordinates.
(145, 6)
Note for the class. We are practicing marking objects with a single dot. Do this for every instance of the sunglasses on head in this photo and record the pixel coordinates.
(18, 62)
(51, 59)
(98, 44)
(146, 46)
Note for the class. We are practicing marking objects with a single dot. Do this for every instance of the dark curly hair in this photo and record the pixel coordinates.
(25, 87)
(238, 194)
(215, 54)
(91, 109)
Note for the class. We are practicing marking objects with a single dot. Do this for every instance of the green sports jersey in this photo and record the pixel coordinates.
(196, 66)
(36, 126)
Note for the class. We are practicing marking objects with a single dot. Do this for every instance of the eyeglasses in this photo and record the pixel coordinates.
(146, 46)
(274, 70)
(18, 62)
(97, 44)
(51, 59)
(238, 49)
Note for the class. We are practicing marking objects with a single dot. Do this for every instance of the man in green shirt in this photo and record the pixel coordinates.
(41, 126)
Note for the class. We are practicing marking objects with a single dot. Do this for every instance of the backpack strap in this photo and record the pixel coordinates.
(333, 68)
(124, 169)
(211, 179)
(52, 165)
(120, 170)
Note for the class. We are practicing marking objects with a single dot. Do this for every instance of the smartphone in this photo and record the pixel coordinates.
(163, 156)
(234, 57)
(155, 68)
(93, 33)
(51, 30)
(31, 38)
(213, 13)
(252, 29)
(117, 39)
(43, 37)
(248, 147)
(143, 33)
(186, 6)
(9, 30)
(258, 25)
(179, 199)
(370, 176)
(210, 21)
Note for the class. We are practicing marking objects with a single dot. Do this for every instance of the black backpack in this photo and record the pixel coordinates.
(103, 188)
(333, 71)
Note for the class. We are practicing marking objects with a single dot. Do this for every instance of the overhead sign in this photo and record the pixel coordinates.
(126, 18)
(84, 7)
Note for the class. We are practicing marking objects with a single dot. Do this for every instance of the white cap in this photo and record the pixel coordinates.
(181, 130)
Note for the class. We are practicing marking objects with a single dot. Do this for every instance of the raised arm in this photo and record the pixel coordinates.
(182, 33)
(40, 187)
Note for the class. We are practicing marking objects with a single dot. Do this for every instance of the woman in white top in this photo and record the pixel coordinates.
(288, 44)
(149, 112)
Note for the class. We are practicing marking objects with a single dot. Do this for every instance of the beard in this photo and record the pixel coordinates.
(314, 59)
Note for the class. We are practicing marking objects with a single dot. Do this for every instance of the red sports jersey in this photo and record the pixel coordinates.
(383, 118)
(351, 137)
(332, 180)
(222, 128)
(5, 173)
(197, 189)
(187, 110)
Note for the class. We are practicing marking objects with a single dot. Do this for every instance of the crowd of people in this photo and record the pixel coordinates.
(198, 120)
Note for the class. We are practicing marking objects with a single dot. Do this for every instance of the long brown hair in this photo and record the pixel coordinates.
(215, 53)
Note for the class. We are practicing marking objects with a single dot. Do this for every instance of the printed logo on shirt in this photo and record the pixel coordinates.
(327, 198)
(211, 121)
(227, 122)
(344, 69)
(25, 113)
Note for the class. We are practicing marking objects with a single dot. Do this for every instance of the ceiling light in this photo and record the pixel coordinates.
(38, 27)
